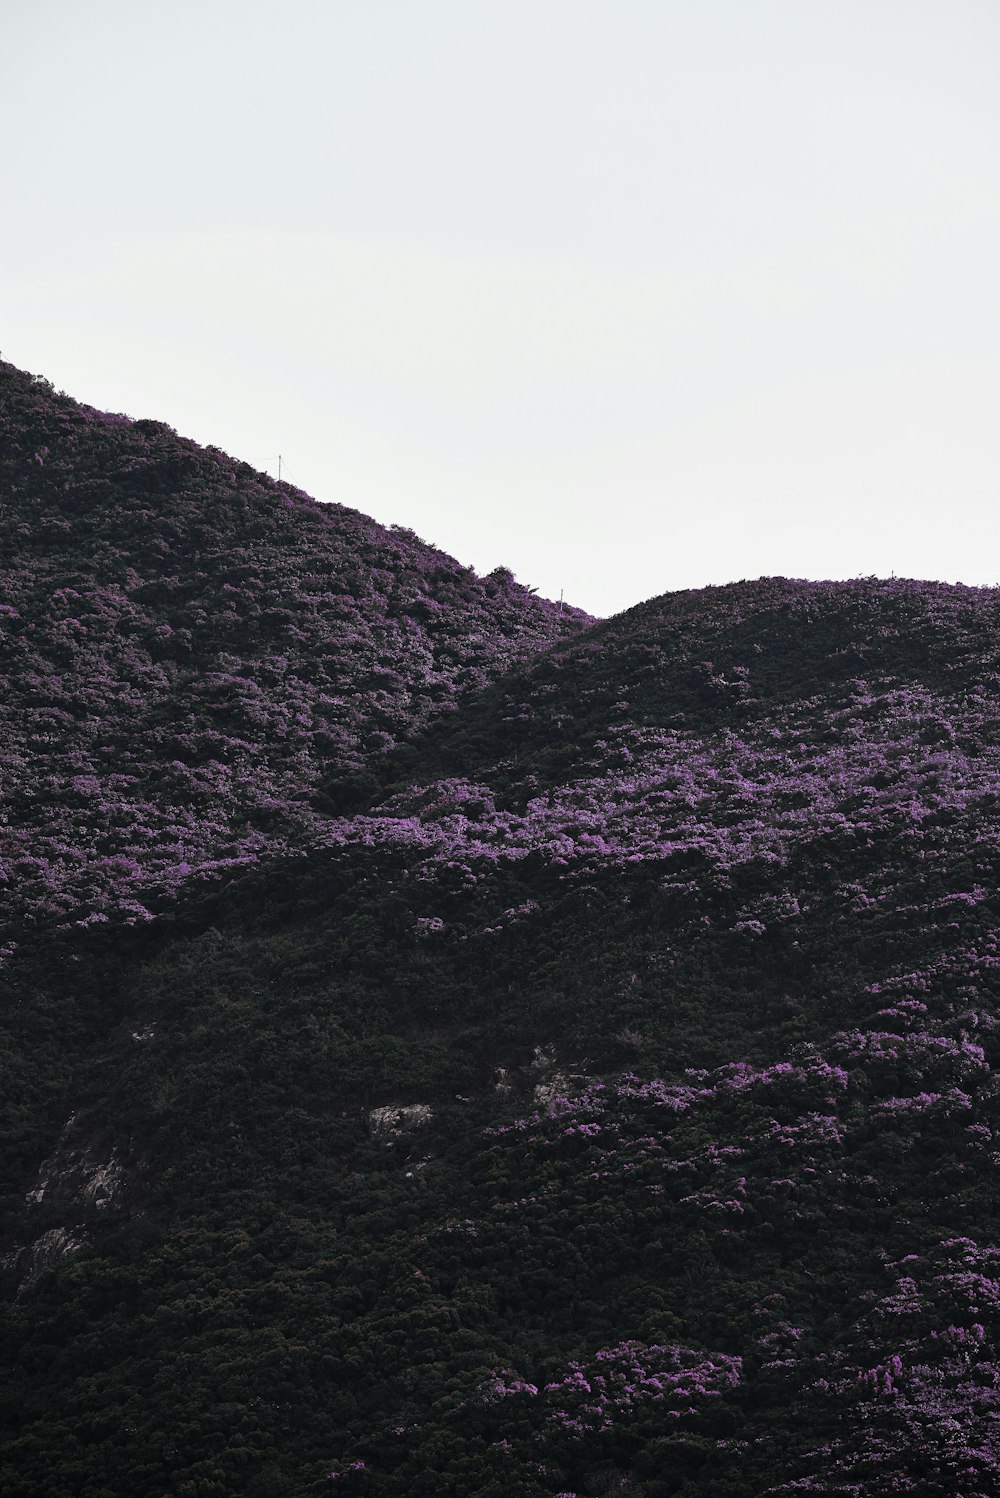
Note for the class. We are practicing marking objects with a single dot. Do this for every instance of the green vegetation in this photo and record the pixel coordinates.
(595, 1096)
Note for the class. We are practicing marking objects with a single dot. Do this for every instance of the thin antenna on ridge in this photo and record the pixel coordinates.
(279, 468)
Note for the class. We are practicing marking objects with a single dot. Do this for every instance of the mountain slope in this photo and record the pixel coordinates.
(190, 651)
(722, 728)
(609, 1105)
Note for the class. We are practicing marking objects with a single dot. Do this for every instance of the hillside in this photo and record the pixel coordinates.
(599, 1099)
(190, 652)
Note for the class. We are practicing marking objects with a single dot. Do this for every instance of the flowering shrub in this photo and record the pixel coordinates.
(597, 1395)
(931, 1406)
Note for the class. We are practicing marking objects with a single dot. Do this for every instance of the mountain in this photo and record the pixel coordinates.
(191, 654)
(597, 1098)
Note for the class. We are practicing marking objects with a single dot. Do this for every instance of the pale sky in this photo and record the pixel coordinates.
(627, 295)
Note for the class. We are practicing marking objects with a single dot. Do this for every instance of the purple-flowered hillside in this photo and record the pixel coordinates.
(189, 651)
(739, 726)
(580, 1075)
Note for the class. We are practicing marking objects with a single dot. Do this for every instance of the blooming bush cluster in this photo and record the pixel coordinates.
(919, 1390)
(617, 1382)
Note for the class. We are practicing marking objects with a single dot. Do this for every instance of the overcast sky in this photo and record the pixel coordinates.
(628, 295)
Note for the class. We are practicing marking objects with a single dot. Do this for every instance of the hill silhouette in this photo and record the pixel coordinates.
(597, 1094)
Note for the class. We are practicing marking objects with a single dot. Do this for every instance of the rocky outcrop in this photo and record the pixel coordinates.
(28, 1262)
(390, 1123)
(81, 1169)
(85, 1171)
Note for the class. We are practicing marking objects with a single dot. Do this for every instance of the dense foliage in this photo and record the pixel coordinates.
(599, 1097)
(191, 655)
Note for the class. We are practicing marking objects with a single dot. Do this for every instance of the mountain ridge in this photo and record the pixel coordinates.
(596, 1094)
(191, 648)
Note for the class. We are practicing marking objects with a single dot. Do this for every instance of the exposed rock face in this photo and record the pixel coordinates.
(30, 1261)
(84, 1171)
(554, 1080)
(555, 1086)
(80, 1169)
(390, 1123)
